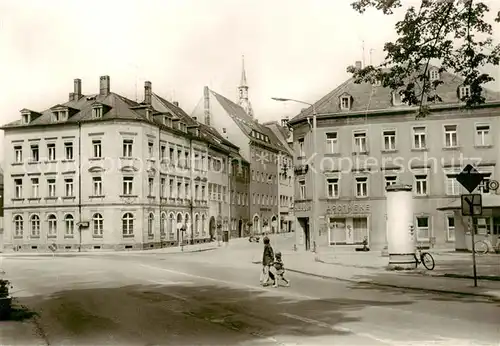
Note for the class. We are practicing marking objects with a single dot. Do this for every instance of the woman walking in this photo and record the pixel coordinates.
(267, 261)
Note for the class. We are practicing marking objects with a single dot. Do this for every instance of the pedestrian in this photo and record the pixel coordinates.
(267, 261)
(278, 270)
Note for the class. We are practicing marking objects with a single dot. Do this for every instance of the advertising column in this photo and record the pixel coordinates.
(400, 238)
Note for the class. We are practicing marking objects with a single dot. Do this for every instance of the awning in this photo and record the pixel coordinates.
(489, 202)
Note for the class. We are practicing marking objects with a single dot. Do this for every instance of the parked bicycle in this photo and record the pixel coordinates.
(425, 258)
(485, 246)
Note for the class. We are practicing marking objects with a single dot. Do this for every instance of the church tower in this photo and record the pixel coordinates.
(243, 100)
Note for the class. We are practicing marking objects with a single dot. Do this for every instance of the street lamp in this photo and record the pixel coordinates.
(314, 207)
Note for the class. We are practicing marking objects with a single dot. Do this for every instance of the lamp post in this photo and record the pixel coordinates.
(314, 207)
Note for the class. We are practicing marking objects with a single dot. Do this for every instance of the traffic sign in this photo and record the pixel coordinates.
(472, 205)
(470, 178)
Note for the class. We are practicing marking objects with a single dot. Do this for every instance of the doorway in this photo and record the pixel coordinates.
(240, 228)
(211, 228)
(304, 223)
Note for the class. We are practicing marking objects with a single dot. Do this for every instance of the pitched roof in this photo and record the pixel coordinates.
(119, 107)
(366, 97)
(247, 123)
(176, 111)
(281, 133)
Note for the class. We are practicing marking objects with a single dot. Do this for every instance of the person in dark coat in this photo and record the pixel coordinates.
(267, 260)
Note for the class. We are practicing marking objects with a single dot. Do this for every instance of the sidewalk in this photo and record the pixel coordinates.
(167, 250)
(366, 269)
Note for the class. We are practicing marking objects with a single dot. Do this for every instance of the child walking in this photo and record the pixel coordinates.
(279, 270)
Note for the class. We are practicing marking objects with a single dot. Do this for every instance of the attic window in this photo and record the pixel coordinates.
(396, 98)
(345, 102)
(59, 115)
(434, 75)
(148, 114)
(97, 112)
(464, 91)
(26, 118)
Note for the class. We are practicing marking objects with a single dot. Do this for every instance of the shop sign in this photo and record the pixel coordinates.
(348, 208)
(300, 206)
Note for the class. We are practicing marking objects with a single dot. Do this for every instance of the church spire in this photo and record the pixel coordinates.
(243, 100)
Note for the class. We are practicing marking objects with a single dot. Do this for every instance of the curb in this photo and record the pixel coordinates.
(96, 253)
(378, 284)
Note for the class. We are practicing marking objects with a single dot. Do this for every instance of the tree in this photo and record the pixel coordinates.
(454, 33)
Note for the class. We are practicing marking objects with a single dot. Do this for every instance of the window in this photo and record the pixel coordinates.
(97, 112)
(68, 183)
(421, 184)
(171, 186)
(187, 191)
(203, 192)
(360, 142)
(301, 147)
(163, 152)
(51, 183)
(179, 190)
(171, 155)
(69, 223)
(419, 137)
(450, 228)
(345, 102)
(396, 98)
(422, 228)
(186, 159)
(97, 186)
(151, 182)
(203, 224)
(452, 185)
(68, 150)
(332, 143)
(35, 226)
(389, 140)
(127, 147)
(390, 180)
(483, 135)
(97, 225)
(302, 190)
(18, 183)
(96, 146)
(151, 220)
(362, 187)
(450, 136)
(127, 185)
(332, 187)
(52, 225)
(51, 148)
(18, 226)
(18, 153)
(163, 187)
(434, 75)
(151, 149)
(35, 154)
(464, 92)
(163, 224)
(128, 224)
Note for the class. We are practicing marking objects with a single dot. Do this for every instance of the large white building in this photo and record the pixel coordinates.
(103, 172)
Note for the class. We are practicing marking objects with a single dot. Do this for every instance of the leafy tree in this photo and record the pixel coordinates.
(453, 32)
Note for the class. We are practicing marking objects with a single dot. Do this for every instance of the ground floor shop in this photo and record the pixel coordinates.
(347, 223)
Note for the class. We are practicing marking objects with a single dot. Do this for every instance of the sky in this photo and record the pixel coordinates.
(293, 48)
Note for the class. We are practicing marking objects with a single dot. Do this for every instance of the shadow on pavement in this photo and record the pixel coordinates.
(189, 314)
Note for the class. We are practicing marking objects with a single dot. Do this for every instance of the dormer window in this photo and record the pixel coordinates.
(464, 91)
(26, 118)
(433, 75)
(59, 115)
(97, 112)
(345, 102)
(148, 114)
(396, 98)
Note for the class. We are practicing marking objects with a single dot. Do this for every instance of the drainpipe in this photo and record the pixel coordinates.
(191, 188)
(80, 185)
(160, 194)
(229, 172)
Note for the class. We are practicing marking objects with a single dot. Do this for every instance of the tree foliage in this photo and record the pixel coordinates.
(454, 33)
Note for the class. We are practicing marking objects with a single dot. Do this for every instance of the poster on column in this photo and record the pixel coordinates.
(349, 231)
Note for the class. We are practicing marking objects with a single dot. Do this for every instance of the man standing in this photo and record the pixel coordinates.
(267, 261)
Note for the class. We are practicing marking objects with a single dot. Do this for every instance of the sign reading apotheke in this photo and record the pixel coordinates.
(348, 208)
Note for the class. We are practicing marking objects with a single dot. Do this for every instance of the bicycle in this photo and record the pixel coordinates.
(484, 246)
(425, 258)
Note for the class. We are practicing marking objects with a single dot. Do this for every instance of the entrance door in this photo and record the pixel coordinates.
(212, 228)
(307, 235)
(240, 228)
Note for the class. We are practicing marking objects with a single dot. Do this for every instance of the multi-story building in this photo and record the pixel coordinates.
(103, 172)
(1, 209)
(258, 146)
(285, 174)
(367, 139)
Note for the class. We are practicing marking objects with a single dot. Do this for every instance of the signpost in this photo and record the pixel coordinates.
(472, 204)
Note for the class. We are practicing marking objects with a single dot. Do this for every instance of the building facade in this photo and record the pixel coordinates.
(367, 139)
(258, 146)
(1, 209)
(104, 172)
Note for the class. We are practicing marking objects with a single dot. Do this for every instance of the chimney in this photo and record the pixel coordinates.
(358, 65)
(104, 85)
(176, 104)
(206, 103)
(147, 92)
(77, 89)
